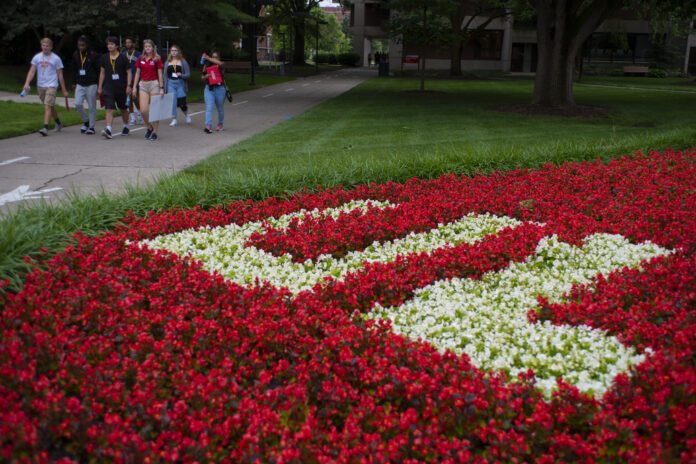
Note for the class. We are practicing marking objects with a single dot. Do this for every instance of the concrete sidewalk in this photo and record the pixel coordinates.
(32, 166)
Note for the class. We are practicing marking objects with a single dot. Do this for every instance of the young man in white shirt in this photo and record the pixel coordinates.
(48, 68)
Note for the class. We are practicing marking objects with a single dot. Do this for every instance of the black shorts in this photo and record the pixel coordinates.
(114, 101)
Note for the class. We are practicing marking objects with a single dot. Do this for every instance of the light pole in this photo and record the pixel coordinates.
(160, 26)
(255, 4)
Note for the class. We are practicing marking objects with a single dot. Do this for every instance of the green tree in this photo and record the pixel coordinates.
(419, 26)
(293, 13)
(564, 25)
(467, 20)
(331, 36)
(212, 24)
(60, 19)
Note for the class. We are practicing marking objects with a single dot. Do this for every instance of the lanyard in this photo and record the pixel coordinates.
(44, 63)
(130, 58)
(175, 64)
(82, 60)
(113, 63)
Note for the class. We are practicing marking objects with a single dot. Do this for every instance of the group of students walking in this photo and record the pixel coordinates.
(126, 81)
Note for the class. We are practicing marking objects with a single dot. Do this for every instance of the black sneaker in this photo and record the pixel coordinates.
(125, 131)
(148, 134)
(153, 137)
(208, 130)
(90, 131)
(83, 129)
(107, 133)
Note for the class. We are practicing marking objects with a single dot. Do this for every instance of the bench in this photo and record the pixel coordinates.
(642, 70)
(236, 65)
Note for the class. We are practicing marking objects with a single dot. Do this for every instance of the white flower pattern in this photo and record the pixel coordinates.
(486, 318)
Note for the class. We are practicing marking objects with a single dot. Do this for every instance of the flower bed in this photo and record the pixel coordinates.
(289, 336)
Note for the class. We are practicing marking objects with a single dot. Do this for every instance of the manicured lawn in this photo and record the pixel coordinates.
(383, 130)
(685, 84)
(25, 118)
(378, 132)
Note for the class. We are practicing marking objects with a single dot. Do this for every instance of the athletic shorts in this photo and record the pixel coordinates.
(112, 102)
(48, 95)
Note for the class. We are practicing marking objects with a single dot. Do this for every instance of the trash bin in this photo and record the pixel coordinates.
(383, 69)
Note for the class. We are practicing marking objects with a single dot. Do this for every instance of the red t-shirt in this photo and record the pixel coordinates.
(148, 68)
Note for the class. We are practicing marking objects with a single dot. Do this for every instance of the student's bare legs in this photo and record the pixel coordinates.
(145, 107)
(109, 118)
(49, 112)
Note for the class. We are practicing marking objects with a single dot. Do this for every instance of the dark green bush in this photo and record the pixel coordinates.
(658, 72)
(329, 58)
(349, 59)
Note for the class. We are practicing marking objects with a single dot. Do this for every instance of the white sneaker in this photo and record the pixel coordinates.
(132, 119)
(140, 119)
(188, 119)
(173, 123)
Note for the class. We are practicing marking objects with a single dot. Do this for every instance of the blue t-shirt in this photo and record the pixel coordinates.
(132, 58)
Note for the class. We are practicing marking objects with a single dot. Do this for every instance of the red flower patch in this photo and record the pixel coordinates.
(122, 354)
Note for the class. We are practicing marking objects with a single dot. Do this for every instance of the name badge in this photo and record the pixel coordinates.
(83, 72)
(174, 76)
(114, 77)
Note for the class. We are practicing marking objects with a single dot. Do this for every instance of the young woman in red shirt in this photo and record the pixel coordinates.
(149, 74)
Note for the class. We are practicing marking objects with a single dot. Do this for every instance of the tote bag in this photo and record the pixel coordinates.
(214, 75)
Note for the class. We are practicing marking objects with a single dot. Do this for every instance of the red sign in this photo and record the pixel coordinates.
(410, 59)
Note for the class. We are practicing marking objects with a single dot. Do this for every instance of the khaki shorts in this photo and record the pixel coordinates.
(48, 95)
(150, 87)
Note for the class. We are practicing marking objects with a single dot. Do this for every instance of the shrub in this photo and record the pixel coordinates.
(349, 59)
(327, 58)
(658, 72)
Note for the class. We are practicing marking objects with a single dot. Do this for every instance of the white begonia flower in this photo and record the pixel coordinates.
(222, 249)
(492, 315)
(485, 318)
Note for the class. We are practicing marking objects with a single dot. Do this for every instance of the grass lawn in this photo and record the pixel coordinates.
(25, 118)
(684, 84)
(381, 130)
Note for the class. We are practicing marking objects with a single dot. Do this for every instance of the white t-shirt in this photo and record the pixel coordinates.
(47, 69)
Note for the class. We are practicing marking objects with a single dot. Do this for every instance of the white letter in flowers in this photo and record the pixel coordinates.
(486, 318)
(223, 249)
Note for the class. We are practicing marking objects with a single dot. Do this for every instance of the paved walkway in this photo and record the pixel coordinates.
(32, 166)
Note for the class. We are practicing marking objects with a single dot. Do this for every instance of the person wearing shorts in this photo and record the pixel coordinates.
(114, 85)
(149, 76)
(133, 55)
(48, 68)
(85, 83)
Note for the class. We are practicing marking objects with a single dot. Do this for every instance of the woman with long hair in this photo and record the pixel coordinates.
(215, 92)
(149, 75)
(176, 76)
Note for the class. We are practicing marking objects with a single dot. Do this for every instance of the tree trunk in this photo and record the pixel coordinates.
(562, 27)
(298, 43)
(456, 51)
(422, 72)
(553, 85)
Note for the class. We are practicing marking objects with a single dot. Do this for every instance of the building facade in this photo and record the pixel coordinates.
(511, 46)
